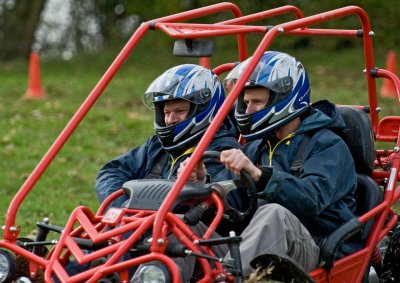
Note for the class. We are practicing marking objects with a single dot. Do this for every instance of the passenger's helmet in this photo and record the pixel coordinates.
(289, 87)
(194, 83)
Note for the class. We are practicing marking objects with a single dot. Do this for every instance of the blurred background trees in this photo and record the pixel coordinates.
(18, 23)
(66, 27)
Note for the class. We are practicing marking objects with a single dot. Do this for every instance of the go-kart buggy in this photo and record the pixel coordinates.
(143, 228)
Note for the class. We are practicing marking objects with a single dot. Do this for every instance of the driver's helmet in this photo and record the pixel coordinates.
(194, 83)
(289, 87)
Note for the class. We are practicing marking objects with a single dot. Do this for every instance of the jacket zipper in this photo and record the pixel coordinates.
(174, 160)
(272, 149)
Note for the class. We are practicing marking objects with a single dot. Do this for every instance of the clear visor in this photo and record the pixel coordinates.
(171, 87)
(261, 77)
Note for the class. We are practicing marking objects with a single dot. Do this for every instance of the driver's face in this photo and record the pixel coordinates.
(255, 99)
(175, 111)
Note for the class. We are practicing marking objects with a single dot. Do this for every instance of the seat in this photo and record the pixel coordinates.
(368, 195)
(360, 140)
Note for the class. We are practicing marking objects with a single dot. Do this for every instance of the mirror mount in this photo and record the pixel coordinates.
(193, 48)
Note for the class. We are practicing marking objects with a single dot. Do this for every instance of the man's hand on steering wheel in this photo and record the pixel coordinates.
(199, 173)
(233, 159)
(236, 161)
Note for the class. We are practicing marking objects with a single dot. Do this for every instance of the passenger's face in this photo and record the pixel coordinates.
(255, 99)
(175, 111)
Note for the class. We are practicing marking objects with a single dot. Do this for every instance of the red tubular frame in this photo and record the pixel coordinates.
(270, 35)
(8, 233)
(392, 77)
(371, 86)
(264, 15)
(350, 268)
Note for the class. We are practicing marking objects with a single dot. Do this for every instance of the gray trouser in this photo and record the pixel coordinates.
(275, 230)
(272, 230)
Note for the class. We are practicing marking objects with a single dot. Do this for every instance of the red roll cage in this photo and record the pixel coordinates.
(386, 129)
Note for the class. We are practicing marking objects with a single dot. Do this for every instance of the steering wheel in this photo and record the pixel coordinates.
(231, 214)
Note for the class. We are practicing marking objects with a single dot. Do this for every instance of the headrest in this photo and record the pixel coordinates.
(359, 138)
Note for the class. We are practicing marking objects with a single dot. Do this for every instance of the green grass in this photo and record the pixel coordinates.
(117, 122)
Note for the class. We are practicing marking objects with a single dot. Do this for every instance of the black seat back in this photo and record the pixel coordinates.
(360, 140)
(368, 195)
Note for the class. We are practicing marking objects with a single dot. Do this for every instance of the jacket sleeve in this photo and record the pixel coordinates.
(237, 199)
(327, 176)
(126, 167)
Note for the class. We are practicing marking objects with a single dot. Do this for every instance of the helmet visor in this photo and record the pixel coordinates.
(172, 87)
(264, 75)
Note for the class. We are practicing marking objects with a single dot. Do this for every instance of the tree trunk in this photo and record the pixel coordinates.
(18, 28)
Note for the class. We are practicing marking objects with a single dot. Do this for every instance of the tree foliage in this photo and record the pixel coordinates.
(116, 12)
(94, 24)
(18, 22)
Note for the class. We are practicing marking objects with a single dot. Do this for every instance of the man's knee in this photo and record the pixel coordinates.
(272, 209)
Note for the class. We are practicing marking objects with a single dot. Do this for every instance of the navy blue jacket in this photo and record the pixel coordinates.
(322, 197)
(138, 163)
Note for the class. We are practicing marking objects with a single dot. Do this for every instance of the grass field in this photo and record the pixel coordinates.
(117, 122)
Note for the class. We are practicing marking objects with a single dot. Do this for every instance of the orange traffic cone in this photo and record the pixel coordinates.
(34, 90)
(205, 62)
(388, 88)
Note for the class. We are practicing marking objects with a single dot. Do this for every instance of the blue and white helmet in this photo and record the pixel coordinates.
(289, 87)
(194, 83)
